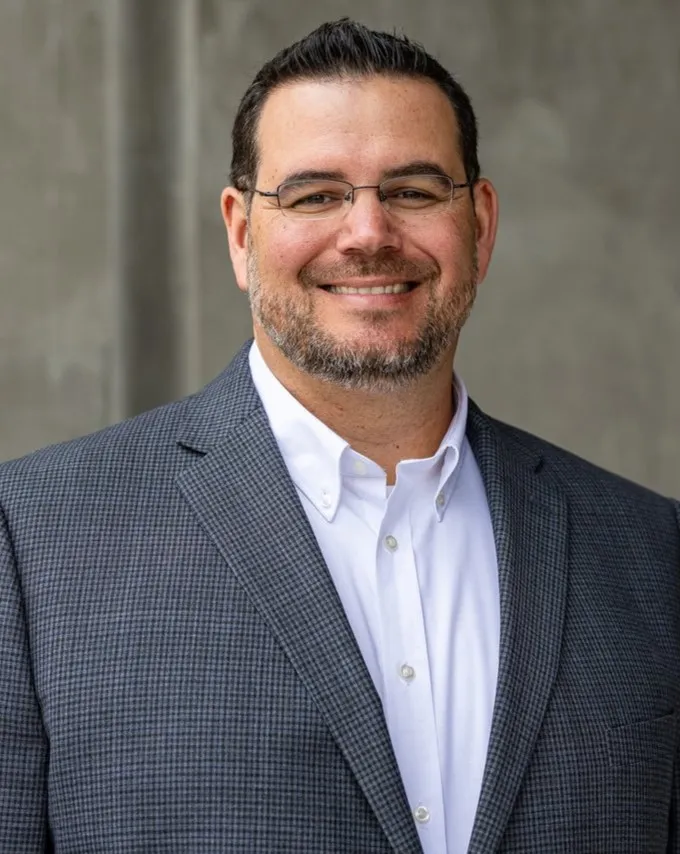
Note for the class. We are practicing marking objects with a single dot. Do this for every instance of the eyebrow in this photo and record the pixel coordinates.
(415, 167)
(315, 175)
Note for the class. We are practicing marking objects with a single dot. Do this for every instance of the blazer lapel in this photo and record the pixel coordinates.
(530, 525)
(243, 497)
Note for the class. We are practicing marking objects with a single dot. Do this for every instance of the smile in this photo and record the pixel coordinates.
(398, 288)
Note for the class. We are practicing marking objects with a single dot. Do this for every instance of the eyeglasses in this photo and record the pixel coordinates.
(408, 196)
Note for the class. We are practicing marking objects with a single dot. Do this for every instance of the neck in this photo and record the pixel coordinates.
(386, 427)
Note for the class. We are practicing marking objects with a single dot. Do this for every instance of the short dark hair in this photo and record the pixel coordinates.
(345, 49)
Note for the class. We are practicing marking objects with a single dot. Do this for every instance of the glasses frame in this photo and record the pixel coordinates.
(348, 198)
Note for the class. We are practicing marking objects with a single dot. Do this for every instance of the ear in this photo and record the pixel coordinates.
(486, 215)
(234, 214)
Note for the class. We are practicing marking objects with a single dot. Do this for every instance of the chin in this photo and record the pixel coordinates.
(374, 336)
(365, 348)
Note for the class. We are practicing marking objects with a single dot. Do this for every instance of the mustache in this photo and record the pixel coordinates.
(314, 275)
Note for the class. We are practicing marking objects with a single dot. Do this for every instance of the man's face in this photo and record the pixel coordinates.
(360, 130)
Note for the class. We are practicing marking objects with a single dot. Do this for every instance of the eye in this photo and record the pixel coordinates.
(411, 193)
(411, 197)
(414, 192)
(315, 200)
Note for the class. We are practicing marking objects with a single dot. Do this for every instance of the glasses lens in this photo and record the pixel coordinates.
(313, 198)
(417, 193)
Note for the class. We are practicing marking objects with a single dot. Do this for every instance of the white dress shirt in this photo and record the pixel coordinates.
(415, 568)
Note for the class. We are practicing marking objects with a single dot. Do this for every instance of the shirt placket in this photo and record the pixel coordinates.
(409, 707)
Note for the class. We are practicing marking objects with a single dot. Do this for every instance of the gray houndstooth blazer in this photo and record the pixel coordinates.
(178, 674)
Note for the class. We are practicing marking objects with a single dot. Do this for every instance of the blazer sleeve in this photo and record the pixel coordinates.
(674, 838)
(23, 743)
(674, 832)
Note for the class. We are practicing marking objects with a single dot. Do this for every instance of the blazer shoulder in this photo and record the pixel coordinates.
(580, 477)
(141, 455)
(138, 442)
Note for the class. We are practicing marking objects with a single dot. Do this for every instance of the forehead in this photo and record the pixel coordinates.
(356, 127)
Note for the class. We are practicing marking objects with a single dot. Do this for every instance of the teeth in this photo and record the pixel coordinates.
(400, 288)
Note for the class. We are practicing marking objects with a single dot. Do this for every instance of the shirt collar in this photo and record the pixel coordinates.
(311, 451)
(317, 458)
(452, 449)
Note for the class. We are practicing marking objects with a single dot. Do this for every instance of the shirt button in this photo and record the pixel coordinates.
(407, 673)
(441, 499)
(326, 499)
(359, 466)
(421, 814)
(391, 543)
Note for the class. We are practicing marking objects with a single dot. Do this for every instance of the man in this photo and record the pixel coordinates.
(326, 604)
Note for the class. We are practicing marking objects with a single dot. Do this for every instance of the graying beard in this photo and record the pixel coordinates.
(312, 352)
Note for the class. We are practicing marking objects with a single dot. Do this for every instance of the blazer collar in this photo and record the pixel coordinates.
(224, 404)
(529, 517)
(242, 495)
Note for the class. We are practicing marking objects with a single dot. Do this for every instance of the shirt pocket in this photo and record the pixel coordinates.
(643, 742)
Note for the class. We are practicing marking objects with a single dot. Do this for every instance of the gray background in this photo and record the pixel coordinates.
(115, 284)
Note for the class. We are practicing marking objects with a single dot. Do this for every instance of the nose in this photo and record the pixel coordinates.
(367, 228)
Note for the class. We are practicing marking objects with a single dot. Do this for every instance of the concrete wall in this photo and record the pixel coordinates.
(576, 334)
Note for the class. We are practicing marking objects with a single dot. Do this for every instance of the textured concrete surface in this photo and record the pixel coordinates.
(152, 76)
(576, 334)
(55, 318)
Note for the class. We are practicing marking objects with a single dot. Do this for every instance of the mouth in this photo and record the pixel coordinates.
(371, 290)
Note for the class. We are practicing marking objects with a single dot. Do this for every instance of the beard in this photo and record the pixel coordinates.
(290, 324)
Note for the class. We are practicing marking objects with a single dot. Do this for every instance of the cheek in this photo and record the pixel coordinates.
(285, 250)
(452, 255)
(456, 249)
(446, 236)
